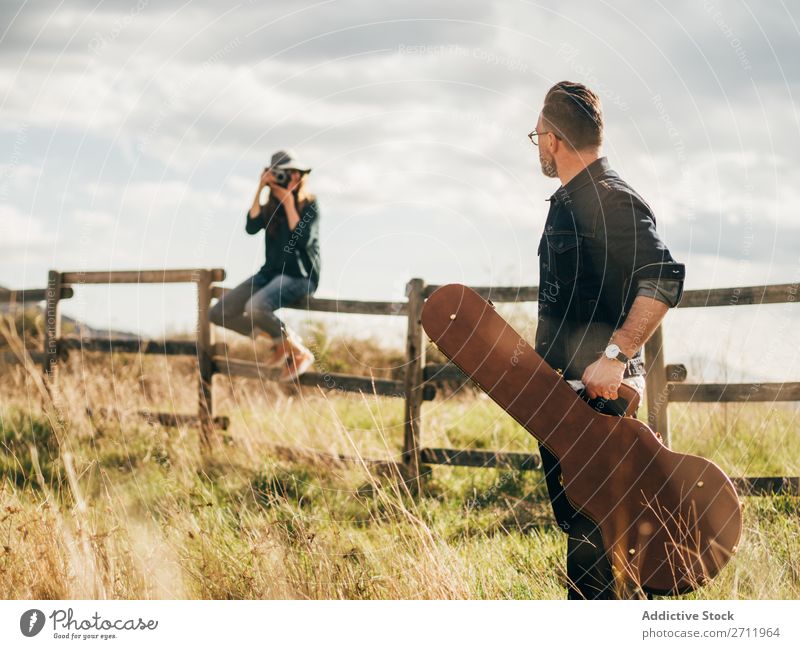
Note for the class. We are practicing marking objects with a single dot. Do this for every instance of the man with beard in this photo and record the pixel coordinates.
(606, 281)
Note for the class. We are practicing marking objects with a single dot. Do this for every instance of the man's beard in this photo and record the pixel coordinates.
(549, 168)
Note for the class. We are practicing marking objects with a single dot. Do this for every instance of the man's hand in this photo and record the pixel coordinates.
(603, 377)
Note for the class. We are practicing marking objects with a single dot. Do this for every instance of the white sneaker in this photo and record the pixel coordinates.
(280, 351)
(297, 362)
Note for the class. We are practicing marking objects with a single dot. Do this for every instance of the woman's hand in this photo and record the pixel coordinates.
(283, 194)
(264, 179)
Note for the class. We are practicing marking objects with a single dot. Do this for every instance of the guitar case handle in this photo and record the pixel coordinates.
(630, 396)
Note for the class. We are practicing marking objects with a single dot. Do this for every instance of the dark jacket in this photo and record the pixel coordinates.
(599, 241)
(291, 252)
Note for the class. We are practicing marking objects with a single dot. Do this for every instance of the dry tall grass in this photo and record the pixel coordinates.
(107, 505)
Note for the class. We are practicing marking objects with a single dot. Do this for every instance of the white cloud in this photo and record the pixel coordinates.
(144, 131)
(95, 218)
(20, 231)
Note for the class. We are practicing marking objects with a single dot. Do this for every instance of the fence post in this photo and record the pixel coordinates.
(415, 362)
(52, 323)
(656, 385)
(204, 358)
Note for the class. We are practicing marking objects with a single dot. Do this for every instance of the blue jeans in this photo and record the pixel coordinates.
(253, 303)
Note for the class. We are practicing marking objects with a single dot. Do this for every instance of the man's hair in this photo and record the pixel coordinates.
(575, 115)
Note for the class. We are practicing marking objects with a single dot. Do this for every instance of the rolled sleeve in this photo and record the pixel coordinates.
(668, 291)
(637, 251)
(252, 226)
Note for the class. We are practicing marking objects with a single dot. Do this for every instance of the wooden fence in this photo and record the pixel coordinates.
(665, 383)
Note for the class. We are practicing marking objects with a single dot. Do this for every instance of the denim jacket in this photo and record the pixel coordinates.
(599, 242)
(291, 252)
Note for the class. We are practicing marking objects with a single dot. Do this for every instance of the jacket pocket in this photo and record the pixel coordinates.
(564, 256)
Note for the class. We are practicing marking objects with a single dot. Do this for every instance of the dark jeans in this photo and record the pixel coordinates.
(253, 303)
(588, 569)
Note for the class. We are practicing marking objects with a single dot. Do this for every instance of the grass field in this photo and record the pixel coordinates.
(112, 506)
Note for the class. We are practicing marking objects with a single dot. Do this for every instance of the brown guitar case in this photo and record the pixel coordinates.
(669, 521)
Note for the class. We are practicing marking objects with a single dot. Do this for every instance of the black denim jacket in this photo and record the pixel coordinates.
(599, 241)
(291, 252)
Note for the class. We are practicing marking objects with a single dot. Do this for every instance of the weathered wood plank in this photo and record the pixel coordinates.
(414, 380)
(205, 363)
(740, 295)
(676, 372)
(767, 486)
(436, 372)
(167, 419)
(443, 372)
(172, 420)
(733, 392)
(52, 323)
(656, 388)
(22, 296)
(328, 381)
(10, 357)
(135, 346)
(327, 305)
(295, 454)
(166, 276)
(481, 459)
(499, 293)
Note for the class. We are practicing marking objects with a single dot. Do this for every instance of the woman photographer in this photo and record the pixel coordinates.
(290, 218)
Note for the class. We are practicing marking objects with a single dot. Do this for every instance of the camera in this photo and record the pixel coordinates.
(282, 176)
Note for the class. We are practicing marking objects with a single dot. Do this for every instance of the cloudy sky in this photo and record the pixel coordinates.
(133, 134)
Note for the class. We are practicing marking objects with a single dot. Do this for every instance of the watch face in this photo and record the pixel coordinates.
(612, 350)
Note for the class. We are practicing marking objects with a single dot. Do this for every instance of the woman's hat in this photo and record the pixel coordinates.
(287, 160)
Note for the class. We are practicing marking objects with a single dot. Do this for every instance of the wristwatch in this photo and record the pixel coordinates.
(613, 352)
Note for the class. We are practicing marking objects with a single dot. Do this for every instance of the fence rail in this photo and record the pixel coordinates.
(665, 383)
(338, 306)
(131, 346)
(23, 296)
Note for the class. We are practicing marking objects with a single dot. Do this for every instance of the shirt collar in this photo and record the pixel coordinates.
(588, 174)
